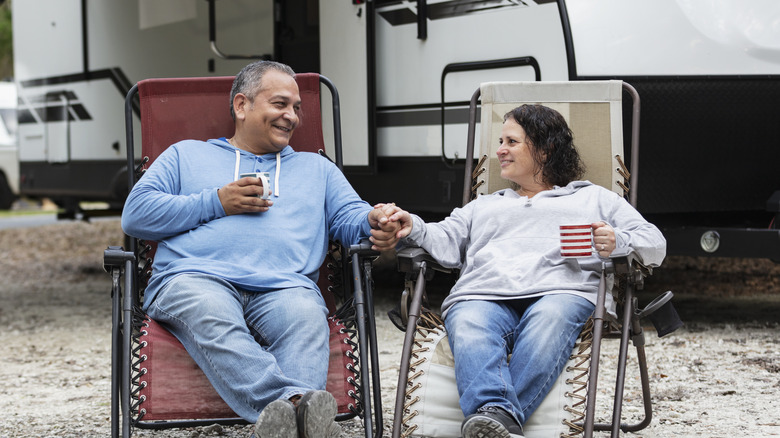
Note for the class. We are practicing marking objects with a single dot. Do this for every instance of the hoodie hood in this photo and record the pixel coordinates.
(570, 188)
(286, 151)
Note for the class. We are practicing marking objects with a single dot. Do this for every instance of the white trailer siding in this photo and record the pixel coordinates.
(73, 76)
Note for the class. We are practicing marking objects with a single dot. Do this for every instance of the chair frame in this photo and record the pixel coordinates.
(419, 267)
(126, 301)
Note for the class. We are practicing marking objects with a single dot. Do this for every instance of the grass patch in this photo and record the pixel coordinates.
(14, 213)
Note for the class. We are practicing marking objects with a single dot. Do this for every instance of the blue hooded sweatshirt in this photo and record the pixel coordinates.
(176, 204)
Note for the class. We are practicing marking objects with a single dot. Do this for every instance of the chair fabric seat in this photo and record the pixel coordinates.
(173, 387)
(432, 409)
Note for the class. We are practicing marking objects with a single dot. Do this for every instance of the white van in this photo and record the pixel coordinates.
(9, 150)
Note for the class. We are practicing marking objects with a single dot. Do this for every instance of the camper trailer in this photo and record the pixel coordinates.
(708, 76)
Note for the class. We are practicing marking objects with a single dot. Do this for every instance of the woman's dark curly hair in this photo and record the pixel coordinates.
(552, 147)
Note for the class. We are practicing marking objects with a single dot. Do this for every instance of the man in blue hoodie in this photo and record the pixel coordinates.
(234, 274)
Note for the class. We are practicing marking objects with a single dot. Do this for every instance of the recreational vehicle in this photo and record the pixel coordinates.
(708, 75)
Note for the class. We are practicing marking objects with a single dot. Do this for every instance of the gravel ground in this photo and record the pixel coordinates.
(719, 376)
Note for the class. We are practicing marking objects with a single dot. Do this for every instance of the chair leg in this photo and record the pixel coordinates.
(631, 329)
(406, 353)
(376, 379)
(127, 339)
(638, 339)
(116, 260)
(617, 409)
(646, 400)
(364, 345)
(598, 327)
(116, 354)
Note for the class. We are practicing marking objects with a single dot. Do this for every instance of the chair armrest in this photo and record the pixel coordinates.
(115, 257)
(411, 258)
(626, 261)
(363, 249)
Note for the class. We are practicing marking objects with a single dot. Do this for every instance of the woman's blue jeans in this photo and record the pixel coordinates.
(539, 333)
(254, 347)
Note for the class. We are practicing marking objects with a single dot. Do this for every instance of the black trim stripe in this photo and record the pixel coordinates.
(51, 108)
(436, 106)
(116, 76)
(80, 111)
(421, 117)
(51, 97)
(66, 79)
(56, 113)
(24, 116)
(680, 78)
(443, 10)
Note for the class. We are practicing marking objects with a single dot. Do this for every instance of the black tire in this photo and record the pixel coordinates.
(7, 196)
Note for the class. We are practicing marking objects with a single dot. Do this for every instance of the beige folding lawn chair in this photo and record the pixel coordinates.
(427, 399)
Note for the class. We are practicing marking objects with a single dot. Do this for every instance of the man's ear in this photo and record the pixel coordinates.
(240, 104)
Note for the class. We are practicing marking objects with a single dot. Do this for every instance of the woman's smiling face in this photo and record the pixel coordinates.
(514, 155)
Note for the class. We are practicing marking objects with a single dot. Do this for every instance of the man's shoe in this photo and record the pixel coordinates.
(317, 414)
(277, 420)
(491, 422)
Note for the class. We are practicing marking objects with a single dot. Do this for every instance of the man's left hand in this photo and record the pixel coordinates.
(384, 232)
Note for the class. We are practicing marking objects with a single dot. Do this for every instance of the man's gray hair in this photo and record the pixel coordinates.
(249, 80)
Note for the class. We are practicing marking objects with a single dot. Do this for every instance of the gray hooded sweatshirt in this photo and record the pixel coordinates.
(507, 246)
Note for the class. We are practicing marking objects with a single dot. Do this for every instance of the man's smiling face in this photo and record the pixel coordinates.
(267, 122)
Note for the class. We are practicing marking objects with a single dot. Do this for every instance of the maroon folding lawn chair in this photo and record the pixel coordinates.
(155, 383)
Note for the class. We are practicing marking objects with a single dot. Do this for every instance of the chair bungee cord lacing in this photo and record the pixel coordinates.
(136, 370)
(429, 323)
(581, 367)
(345, 318)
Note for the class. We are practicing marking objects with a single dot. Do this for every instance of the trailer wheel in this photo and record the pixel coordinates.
(7, 197)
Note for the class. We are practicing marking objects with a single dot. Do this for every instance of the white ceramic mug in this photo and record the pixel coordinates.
(265, 178)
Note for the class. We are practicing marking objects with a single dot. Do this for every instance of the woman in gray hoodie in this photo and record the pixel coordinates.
(516, 294)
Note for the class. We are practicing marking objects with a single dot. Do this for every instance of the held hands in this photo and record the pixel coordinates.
(603, 238)
(389, 223)
(243, 196)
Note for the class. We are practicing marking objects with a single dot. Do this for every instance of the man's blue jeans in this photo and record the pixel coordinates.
(539, 333)
(253, 347)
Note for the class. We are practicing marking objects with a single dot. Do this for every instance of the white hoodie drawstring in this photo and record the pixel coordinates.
(238, 161)
(278, 171)
(276, 176)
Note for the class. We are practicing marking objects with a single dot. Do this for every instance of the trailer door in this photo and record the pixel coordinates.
(343, 59)
(43, 118)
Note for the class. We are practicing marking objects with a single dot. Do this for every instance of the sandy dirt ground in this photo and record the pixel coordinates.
(719, 376)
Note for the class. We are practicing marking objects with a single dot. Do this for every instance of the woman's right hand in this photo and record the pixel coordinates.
(405, 220)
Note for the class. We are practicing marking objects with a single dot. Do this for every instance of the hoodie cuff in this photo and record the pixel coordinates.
(367, 226)
(418, 227)
(216, 210)
(621, 240)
